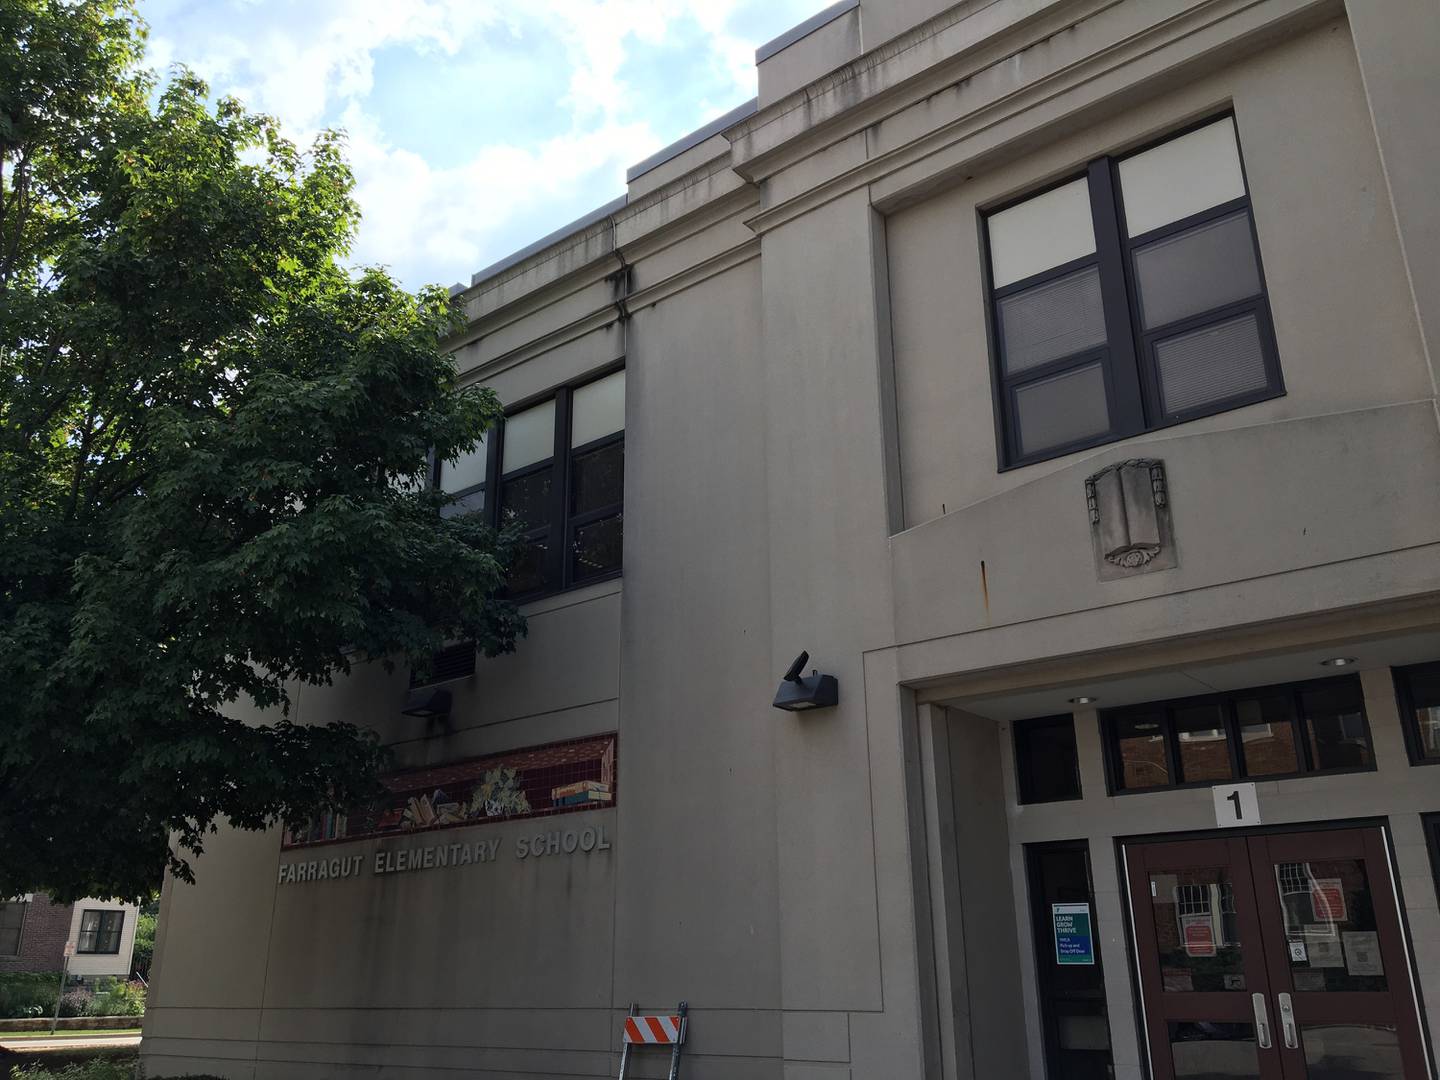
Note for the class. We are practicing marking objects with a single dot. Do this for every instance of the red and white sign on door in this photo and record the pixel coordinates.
(1199, 935)
(1327, 897)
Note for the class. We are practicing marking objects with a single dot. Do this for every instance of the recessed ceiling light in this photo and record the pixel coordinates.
(1083, 699)
(1337, 661)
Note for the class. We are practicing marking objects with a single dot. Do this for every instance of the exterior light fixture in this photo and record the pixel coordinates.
(1337, 661)
(427, 703)
(800, 692)
(1083, 699)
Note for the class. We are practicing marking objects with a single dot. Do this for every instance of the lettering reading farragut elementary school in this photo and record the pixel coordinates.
(437, 856)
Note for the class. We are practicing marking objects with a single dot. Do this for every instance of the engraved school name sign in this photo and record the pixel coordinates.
(584, 841)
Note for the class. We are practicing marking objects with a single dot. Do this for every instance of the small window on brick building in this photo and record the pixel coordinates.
(100, 931)
(12, 921)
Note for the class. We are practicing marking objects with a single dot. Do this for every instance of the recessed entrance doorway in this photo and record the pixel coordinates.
(1273, 957)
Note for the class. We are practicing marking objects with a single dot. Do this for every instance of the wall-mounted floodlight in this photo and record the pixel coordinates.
(427, 702)
(813, 691)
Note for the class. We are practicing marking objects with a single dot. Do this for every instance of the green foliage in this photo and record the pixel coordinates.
(115, 998)
(144, 941)
(22, 993)
(211, 437)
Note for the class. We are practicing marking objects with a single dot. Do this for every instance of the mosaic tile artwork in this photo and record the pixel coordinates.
(558, 778)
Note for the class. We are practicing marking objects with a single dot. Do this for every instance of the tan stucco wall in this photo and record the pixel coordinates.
(807, 387)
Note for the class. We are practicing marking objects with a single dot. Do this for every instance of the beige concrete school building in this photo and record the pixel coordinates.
(1061, 374)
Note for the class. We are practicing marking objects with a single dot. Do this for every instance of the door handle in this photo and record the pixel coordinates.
(1262, 1021)
(1287, 1023)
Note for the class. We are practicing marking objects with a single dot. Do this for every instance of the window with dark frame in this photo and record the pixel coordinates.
(1417, 689)
(464, 479)
(556, 466)
(1271, 732)
(1128, 298)
(1046, 765)
(100, 931)
(12, 922)
(1431, 824)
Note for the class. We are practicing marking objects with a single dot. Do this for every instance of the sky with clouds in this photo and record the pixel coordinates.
(476, 126)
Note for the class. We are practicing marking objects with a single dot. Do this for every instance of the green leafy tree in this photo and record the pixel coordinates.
(213, 444)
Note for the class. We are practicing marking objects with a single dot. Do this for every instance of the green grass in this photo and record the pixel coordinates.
(6, 1036)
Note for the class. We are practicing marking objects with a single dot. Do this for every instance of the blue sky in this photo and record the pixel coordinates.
(476, 126)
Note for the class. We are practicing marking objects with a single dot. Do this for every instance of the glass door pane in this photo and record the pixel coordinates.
(1335, 956)
(1331, 940)
(1196, 934)
(1208, 1051)
(1352, 1052)
(1202, 966)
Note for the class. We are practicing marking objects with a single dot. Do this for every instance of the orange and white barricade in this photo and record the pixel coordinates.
(658, 1031)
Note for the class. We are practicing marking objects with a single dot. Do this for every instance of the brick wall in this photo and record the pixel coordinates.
(42, 939)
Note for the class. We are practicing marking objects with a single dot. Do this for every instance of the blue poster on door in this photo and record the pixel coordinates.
(1074, 939)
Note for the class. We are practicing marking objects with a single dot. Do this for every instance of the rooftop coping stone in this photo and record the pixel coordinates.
(800, 30)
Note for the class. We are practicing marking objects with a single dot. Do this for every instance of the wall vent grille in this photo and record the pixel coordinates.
(452, 662)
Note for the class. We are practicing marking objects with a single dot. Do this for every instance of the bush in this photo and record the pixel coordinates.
(75, 1002)
(98, 1065)
(98, 1068)
(117, 999)
(21, 993)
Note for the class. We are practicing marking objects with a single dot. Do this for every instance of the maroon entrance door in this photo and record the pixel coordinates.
(1274, 957)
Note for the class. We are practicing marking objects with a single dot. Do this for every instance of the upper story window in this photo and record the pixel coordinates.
(1128, 298)
(465, 478)
(556, 466)
(100, 931)
(1419, 694)
(1268, 732)
(12, 921)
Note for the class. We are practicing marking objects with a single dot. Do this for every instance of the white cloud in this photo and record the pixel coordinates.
(313, 65)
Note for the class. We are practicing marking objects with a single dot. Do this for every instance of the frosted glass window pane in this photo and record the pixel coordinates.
(1181, 177)
(1042, 232)
(597, 409)
(529, 437)
(468, 471)
(1212, 364)
(1194, 271)
(1061, 409)
(1060, 318)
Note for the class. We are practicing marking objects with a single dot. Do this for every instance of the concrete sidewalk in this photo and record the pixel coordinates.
(61, 1041)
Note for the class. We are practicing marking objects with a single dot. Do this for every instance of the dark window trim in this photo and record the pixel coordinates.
(1226, 699)
(437, 471)
(1042, 929)
(1431, 824)
(1031, 724)
(20, 937)
(101, 933)
(1128, 363)
(576, 521)
(1405, 702)
(560, 522)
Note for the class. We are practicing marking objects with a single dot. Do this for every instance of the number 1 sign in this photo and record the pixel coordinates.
(1236, 804)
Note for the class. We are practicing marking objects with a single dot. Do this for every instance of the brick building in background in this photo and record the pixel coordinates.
(34, 930)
